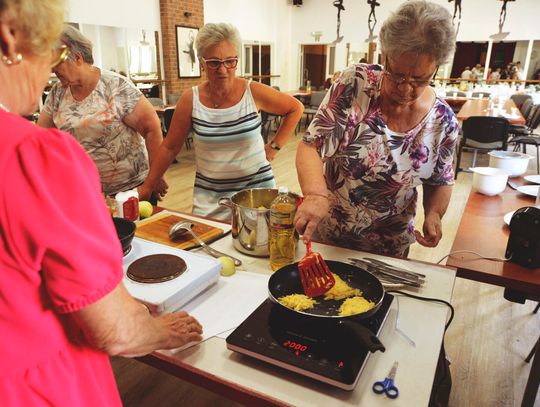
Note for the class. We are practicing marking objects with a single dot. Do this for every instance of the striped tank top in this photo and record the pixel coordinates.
(229, 154)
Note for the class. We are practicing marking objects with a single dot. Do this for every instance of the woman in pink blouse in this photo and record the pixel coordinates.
(63, 308)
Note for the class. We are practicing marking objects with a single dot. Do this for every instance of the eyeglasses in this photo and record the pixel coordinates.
(400, 80)
(59, 55)
(214, 63)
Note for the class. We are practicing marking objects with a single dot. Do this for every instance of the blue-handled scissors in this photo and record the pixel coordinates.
(387, 385)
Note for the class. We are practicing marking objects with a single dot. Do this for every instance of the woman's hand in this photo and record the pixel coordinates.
(312, 210)
(182, 329)
(160, 190)
(270, 152)
(144, 192)
(432, 231)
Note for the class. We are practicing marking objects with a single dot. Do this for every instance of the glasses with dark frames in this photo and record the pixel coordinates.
(400, 80)
(215, 64)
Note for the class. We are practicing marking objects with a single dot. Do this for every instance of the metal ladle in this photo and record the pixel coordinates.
(184, 226)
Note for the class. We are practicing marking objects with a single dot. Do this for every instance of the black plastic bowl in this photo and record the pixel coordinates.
(125, 229)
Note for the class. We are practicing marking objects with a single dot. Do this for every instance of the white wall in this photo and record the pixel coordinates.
(261, 20)
(116, 13)
(479, 19)
(286, 26)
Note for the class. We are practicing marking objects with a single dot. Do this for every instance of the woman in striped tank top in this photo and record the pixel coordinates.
(223, 114)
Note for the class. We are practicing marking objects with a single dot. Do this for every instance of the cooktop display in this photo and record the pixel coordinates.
(321, 348)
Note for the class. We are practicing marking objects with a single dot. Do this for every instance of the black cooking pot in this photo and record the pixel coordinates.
(325, 314)
(125, 229)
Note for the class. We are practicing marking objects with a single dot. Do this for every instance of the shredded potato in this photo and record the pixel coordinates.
(297, 302)
(355, 305)
(340, 290)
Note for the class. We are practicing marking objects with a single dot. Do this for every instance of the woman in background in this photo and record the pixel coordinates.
(63, 308)
(107, 114)
(230, 153)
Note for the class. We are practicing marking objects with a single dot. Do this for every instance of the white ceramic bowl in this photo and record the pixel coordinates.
(515, 163)
(489, 181)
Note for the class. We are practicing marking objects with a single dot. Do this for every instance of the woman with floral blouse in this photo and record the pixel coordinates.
(380, 133)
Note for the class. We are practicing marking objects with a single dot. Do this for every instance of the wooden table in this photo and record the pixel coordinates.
(456, 102)
(483, 230)
(249, 381)
(160, 109)
(298, 92)
(479, 107)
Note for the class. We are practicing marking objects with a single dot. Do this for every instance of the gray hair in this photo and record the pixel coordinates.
(77, 43)
(419, 27)
(212, 34)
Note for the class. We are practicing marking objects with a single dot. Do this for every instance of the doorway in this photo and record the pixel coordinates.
(257, 61)
(314, 64)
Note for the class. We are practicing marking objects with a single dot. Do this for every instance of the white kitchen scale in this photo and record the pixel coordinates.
(169, 296)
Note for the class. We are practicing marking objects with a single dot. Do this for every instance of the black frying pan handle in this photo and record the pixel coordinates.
(361, 336)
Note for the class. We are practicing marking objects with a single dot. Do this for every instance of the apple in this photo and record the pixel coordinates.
(227, 266)
(145, 209)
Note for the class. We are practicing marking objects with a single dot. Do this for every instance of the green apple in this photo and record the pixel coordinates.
(227, 266)
(145, 209)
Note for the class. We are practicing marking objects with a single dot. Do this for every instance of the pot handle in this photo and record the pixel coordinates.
(225, 201)
(363, 336)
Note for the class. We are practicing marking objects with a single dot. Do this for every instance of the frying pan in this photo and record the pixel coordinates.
(286, 281)
(325, 315)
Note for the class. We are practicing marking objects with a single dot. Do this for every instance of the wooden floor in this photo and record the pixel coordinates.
(487, 342)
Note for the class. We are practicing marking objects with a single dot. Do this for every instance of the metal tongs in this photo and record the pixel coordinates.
(388, 273)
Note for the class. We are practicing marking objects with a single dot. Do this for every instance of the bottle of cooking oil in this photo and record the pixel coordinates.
(282, 244)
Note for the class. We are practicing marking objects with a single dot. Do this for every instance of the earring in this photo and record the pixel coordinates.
(9, 61)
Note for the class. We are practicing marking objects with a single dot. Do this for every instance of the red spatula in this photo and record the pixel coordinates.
(315, 275)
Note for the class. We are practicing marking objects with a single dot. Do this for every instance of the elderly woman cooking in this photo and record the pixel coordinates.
(106, 113)
(223, 114)
(63, 308)
(380, 133)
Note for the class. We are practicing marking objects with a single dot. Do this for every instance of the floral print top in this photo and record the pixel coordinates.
(118, 151)
(372, 171)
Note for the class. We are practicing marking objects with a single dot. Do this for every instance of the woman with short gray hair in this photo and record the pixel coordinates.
(108, 116)
(432, 32)
(379, 133)
(212, 34)
(77, 44)
(223, 113)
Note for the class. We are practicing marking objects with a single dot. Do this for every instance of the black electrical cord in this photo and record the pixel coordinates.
(429, 300)
(443, 376)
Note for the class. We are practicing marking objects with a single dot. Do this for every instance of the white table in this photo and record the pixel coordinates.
(244, 379)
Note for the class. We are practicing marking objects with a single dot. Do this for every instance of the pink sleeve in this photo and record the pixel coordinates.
(60, 230)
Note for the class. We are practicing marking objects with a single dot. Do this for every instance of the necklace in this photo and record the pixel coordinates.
(2, 107)
(214, 96)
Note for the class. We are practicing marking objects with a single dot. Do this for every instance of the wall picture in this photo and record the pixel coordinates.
(188, 62)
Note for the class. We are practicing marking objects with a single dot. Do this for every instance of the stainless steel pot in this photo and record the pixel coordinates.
(251, 219)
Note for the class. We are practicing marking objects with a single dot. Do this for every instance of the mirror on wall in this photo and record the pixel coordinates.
(128, 51)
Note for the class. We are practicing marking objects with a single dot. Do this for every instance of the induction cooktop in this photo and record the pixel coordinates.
(318, 348)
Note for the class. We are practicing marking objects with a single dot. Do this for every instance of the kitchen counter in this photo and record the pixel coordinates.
(212, 366)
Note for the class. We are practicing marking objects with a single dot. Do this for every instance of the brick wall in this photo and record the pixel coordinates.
(172, 14)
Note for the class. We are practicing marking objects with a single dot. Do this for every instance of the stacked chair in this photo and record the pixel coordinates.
(523, 135)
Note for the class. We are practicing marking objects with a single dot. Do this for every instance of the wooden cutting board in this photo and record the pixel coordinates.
(157, 230)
